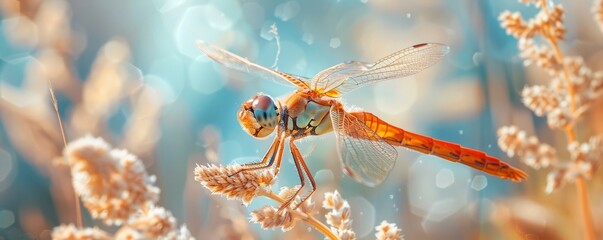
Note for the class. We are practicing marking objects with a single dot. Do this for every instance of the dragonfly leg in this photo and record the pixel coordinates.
(298, 157)
(275, 149)
(279, 158)
(300, 172)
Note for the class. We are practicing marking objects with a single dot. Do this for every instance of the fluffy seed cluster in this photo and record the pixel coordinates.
(307, 207)
(270, 217)
(152, 224)
(70, 232)
(572, 89)
(553, 100)
(540, 99)
(584, 163)
(586, 83)
(591, 151)
(340, 215)
(540, 55)
(543, 23)
(559, 118)
(115, 187)
(112, 183)
(388, 231)
(244, 185)
(533, 153)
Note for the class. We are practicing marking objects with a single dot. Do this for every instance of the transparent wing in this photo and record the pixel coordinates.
(332, 77)
(233, 61)
(345, 77)
(364, 155)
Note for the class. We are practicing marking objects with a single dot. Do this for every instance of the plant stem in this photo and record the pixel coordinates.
(585, 207)
(78, 209)
(307, 218)
(587, 218)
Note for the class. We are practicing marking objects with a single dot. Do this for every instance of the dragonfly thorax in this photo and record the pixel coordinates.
(259, 115)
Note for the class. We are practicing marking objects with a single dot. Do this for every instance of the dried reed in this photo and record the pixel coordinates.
(45, 27)
(115, 187)
(270, 217)
(572, 88)
(247, 185)
(154, 223)
(533, 153)
(78, 208)
(340, 215)
(388, 231)
(112, 183)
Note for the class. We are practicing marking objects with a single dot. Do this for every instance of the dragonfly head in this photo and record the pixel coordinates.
(259, 115)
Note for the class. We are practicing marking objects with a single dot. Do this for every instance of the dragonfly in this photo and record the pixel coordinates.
(365, 143)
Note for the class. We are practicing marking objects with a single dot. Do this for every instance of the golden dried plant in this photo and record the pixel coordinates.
(45, 28)
(112, 183)
(388, 231)
(156, 222)
(569, 94)
(26, 110)
(533, 153)
(340, 215)
(115, 187)
(271, 217)
(247, 185)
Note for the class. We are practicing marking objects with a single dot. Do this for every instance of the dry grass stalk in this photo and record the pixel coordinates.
(270, 217)
(584, 163)
(142, 130)
(78, 208)
(529, 149)
(572, 89)
(540, 99)
(154, 223)
(112, 183)
(340, 215)
(111, 79)
(45, 27)
(388, 231)
(115, 187)
(247, 185)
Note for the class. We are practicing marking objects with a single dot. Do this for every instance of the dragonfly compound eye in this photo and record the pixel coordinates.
(264, 110)
(259, 116)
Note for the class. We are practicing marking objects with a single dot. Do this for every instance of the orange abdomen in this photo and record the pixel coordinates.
(446, 150)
